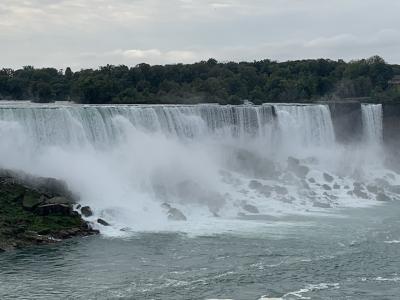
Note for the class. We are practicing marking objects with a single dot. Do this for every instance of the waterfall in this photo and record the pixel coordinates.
(98, 125)
(101, 125)
(306, 124)
(372, 123)
(205, 160)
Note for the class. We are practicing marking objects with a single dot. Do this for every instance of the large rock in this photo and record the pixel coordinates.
(295, 167)
(254, 165)
(176, 215)
(53, 209)
(360, 193)
(261, 188)
(328, 177)
(86, 211)
(250, 208)
(383, 197)
(30, 217)
(31, 200)
(59, 200)
(173, 213)
(280, 190)
(102, 222)
(321, 205)
(326, 187)
(50, 187)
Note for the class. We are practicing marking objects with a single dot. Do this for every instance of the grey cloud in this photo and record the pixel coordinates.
(88, 33)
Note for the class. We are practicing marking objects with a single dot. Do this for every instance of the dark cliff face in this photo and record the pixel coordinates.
(391, 124)
(347, 121)
(391, 134)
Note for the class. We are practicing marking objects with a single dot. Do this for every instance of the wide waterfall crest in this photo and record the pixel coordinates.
(217, 165)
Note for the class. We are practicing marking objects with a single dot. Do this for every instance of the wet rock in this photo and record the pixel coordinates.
(59, 200)
(358, 185)
(255, 165)
(266, 192)
(305, 185)
(31, 200)
(372, 189)
(86, 211)
(53, 209)
(42, 218)
(227, 177)
(292, 161)
(328, 177)
(336, 186)
(301, 171)
(330, 197)
(382, 182)
(298, 169)
(255, 185)
(289, 178)
(250, 208)
(280, 190)
(326, 187)
(262, 189)
(321, 205)
(286, 200)
(360, 194)
(394, 189)
(383, 197)
(102, 222)
(176, 215)
(166, 206)
(215, 215)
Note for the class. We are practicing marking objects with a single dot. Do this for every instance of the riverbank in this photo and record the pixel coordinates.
(35, 210)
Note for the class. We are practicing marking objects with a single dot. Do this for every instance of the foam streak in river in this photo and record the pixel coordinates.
(204, 160)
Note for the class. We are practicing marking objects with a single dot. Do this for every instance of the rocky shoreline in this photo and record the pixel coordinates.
(37, 211)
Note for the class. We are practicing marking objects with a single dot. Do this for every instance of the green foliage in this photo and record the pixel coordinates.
(205, 81)
(15, 220)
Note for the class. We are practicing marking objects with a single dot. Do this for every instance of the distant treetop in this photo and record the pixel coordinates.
(208, 81)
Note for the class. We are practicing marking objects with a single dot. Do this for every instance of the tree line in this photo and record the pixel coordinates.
(206, 81)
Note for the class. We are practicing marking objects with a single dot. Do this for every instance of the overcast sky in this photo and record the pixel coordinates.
(89, 33)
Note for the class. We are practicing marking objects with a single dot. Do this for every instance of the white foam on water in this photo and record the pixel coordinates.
(392, 242)
(300, 293)
(392, 279)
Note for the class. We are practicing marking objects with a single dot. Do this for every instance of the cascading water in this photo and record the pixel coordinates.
(216, 164)
(309, 125)
(372, 122)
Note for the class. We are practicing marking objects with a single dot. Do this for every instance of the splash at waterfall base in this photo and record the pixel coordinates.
(36, 211)
(219, 168)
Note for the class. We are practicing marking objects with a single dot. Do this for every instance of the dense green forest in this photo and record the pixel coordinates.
(207, 81)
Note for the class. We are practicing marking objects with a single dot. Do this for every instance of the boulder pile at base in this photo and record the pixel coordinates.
(37, 210)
